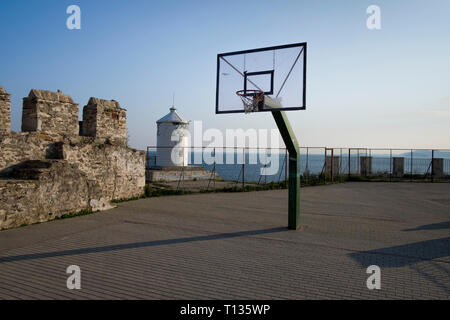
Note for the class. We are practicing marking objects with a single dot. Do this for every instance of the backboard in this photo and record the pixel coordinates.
(277, 73)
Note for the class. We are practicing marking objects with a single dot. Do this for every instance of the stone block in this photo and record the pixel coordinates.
(120, 170)
(365, 165)
(105, 119)
(51, 170)
(50, 112)
(168, 174)
(398, 167)
(438, 167)
(5, 112)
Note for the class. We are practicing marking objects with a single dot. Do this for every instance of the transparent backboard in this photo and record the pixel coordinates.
(280, 72)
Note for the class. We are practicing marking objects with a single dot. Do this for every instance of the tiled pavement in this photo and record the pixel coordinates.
(236, 246)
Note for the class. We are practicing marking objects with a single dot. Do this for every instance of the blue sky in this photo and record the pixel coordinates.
(366, 88)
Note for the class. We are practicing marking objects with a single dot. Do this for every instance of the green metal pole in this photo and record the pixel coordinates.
(294, 167)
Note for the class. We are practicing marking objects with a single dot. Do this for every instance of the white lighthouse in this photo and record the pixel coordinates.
(172, 140)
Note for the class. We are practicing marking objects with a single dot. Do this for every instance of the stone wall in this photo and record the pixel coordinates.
(438, 167)
(21, 146)
(120, 170)
(51, 112)
(170, 174)
(38, 191)
(52, 170)
(5, 111)
(105, 119)
(398, 167)
(365, 165)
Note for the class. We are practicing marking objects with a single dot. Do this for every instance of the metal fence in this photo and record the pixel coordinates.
(246, 165)
(387, 164)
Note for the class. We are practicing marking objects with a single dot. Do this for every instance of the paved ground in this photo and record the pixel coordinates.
(235, 245)
(203, 185)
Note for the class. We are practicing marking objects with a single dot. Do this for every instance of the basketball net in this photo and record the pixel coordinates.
(250, 99)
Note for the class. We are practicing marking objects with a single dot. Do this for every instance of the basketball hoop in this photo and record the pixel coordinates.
(250, 99)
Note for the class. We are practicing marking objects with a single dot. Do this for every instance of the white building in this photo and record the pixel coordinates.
(172, 140)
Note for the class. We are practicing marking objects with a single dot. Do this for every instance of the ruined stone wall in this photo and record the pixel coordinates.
(51, 170)
(50, 112)
(15, 197)
(105, 119)
(120, 170)
(44, 190)
(17, 147)
(5, 111)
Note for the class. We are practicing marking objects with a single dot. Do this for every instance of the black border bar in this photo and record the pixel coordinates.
(259, 73)
(286, 46)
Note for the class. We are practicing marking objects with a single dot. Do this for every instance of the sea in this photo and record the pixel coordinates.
(271, 167)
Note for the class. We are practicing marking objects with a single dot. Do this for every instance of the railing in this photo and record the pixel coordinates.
(247, 165)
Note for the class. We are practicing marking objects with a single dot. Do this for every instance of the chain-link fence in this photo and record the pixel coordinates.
(209, 168)
(379, 164)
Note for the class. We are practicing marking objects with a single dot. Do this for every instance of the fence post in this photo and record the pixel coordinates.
(265, 169)
(214, 177)
(432, 165)
(332, 164)
(411, 179)
(285, 165)
(243, 168)
(390, 165)
(349, 172)
(307, 165)
(181, 178)
(358, 162)
(291, 143)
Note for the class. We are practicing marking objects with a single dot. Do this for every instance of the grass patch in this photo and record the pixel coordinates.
(153, 192)
(128, 199)
(249, 188)
(150, 192)
(159, 189)
(74, 214)
(356, 178)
